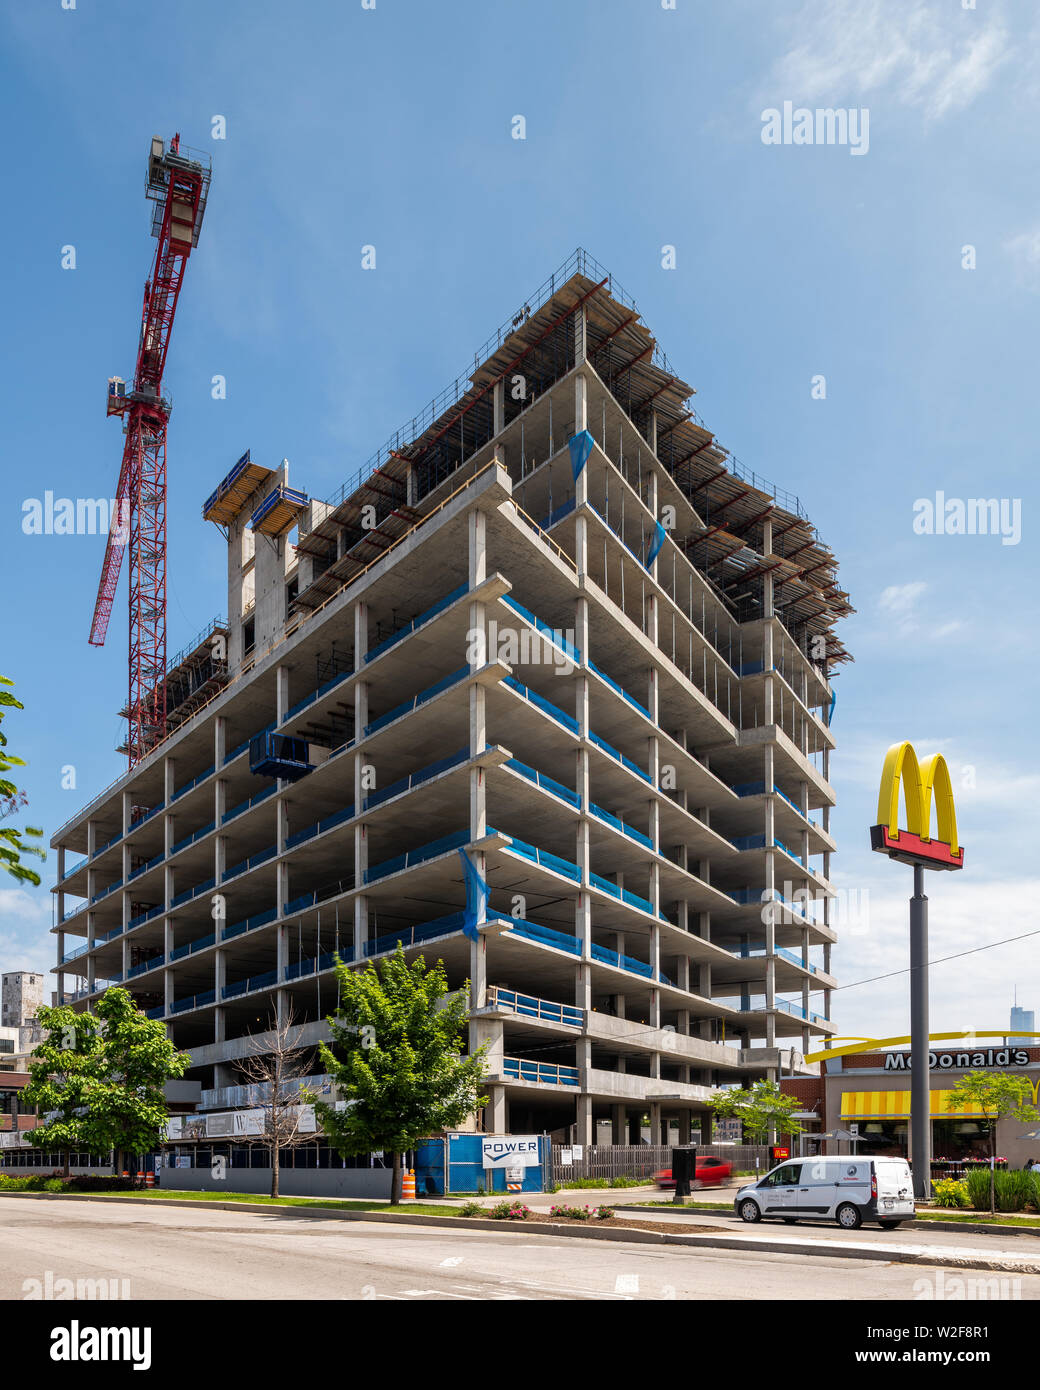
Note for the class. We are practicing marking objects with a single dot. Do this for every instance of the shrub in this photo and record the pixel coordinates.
(977, 1182)
(99, 1182)
(509, 1211)
(78, 1182)
(948, 1192)
(471, 1209)
(604, 1213)
(30, 1182)
(566, 1213)
(1014, 1190)
(626, 1181)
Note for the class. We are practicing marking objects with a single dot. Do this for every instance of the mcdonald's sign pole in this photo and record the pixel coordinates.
(920, 782)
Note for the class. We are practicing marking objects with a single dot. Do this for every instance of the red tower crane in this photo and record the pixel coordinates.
(178, 186)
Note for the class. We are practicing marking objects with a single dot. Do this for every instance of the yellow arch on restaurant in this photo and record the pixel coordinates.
(879, 1044)
(920, 781)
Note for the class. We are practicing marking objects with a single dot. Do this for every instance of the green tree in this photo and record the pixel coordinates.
(126, 1105)
(12, 847)
(61, 1073)
(97, 1079)
(1000, 1096)
(396, 1057)
(760, 1109)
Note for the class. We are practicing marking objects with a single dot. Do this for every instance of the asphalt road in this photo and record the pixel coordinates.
(169, 1252)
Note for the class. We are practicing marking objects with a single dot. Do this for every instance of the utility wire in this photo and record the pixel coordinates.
(958, 955)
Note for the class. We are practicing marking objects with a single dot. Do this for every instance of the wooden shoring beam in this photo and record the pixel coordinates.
(600, 346)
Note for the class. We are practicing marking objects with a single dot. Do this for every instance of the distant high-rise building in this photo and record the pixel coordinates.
(1023, 1021)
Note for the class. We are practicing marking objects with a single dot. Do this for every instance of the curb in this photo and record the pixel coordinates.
(970, 1228)
(888, 1253)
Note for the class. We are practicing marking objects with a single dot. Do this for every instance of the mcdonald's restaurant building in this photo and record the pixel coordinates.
(863, 1099)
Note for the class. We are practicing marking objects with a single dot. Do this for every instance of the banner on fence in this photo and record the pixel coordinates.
(510, 1151)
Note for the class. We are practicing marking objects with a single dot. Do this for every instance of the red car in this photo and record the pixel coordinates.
(710, 1172)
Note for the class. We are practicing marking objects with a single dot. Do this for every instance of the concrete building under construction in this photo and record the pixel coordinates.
(542, 692)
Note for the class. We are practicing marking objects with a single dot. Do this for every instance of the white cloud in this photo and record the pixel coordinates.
(1024, 253)
(899, 603)
(26, 942)
(900, 598)
(935, 58)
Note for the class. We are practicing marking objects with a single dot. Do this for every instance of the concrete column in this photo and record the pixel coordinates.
(495, 1111)
(220, 748)
(219, 1022)
(281, 687)
(655, 1122)
(583, 1120)
(767, 579)
(219, 858)
(477, 548)
(581, 402)
(127, 805)
(220, 976)
(168, 779)
(619, 1124)
(580, 339)
(360, 925)
(478, 981)
(282, 821)
(282, 948)
(581, 641)
(360, 640)
(581, 532)
(583, 984)
(360, 854)
(651, 502)
(499, 405)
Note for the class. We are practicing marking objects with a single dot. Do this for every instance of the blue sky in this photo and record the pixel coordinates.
(392, 127)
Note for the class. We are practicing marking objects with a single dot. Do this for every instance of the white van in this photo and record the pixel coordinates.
(849, 1190)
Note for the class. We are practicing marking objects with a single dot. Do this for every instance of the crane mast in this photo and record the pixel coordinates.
(178, 187)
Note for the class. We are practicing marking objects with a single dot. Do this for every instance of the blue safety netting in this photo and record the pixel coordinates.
(580, 447)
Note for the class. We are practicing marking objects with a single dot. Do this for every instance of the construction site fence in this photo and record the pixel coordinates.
(644, 1160)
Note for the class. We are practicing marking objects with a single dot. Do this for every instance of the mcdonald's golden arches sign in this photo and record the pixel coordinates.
(921, 781)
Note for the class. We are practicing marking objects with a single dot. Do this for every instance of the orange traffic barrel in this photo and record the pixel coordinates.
(408, 1185)
(149, 1179)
